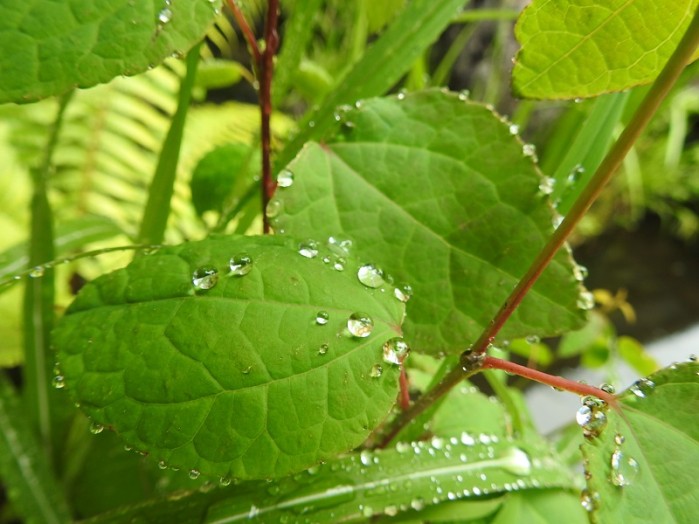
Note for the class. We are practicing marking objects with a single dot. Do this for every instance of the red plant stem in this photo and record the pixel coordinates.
(550, 380)
(404, 394)
(468, 365)
(247, 32)
(269, 185)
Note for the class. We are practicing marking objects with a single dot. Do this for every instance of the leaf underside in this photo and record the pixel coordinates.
(52, 47)
(231, 381)
(437, 191)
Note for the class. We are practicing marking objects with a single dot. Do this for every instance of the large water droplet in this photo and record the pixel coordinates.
(164, 16)
(360, 325)
(308, 249)
(371, 276)
(285, 178)
(403, 292)
(592, 419)
(642, 388)
(240, 265)
(366, 458)
(376, 371)
(395, 351)
(274, 208)
(624, 469)
(322, 318)
(517, 462)
(205, 277)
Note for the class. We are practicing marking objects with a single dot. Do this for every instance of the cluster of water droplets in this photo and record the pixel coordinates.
(592, 416)
(207, 276)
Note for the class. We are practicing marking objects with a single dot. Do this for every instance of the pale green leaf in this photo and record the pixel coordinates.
(439, 193)
(643, 467)
(581, 48)
(541, 507)
(233, 380)
(51, 47)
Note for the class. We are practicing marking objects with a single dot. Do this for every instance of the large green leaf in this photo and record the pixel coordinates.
(643, 467)
(51, 47)
(246, 379)
(437, 191)
(581, 48)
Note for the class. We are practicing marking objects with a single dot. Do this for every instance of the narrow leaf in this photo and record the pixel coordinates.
(581, 48)
(51, 47)
(643, 466)
(23, 467)
(436, 191)
(233, 356)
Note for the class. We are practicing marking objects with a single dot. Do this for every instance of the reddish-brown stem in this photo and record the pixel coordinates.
(550, 380)
(247, 32)
(404, 394)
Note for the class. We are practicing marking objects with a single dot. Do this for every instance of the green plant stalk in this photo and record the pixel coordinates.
(26, 474)
(39, 299)
(157, 210)
(468, 364)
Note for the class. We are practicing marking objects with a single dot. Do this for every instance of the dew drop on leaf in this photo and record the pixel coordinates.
(624, 469)
(403, 292)
(340, 246)
(376, 371)
(619, 439)
(322, 318)
(395, 351)
(529, 150)
(517, 462)
(586, 301)
(162, 464)
(164, 16)
(579, 272)
(391, 510)
(592, 419)
(205, 277)
(589, 500)
(547, 185)
(607, 388)
(417, 504)
(308, 249)
(274, 208)
(285, 178)
(642, 388)
(240, 265)
(37, 272)
(194, 474)
(58, 382)
(225, 481)
(360, 325)
(96, 428)
(370, 275)
(366, 458)
(514, 129)
(323, 349)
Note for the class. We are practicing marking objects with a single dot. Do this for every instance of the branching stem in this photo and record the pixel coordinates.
(660, 88)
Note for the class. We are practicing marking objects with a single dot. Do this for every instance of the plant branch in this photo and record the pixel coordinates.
(247, 32)
(660, 88)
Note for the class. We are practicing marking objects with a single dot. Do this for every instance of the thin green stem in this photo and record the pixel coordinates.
(660, 88)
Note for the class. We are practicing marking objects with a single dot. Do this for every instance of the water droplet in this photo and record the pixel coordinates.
(642, 388)
(403, 292)
(323, 349)
(517, 462)
(533, 339)
(322, 318)
(308, 249)
(624, 469)
(376, 371)
(58, 382)
(164, 16)
(592, 420)
(464, 95)
(205, 277)
(589, 500)
(607, 388)
(619, 439)
(162, 464)
(240, 265)
(401, 95)
(96, 428)
(360, 325)
(225, 481)
(194, 474)
(586, 301)
(365, 457)
(339, 246)
(402, 447)
(395, 351)
(391, 511)
(417, 504)
(37, 272)
(370, 275)
(547, 185)
(579, 272)
(285, 178)
(367, 511)
(274, 208)
(529, 150)
(514, 129)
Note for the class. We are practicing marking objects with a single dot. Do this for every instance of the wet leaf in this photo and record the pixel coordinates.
(51, 47)
(643, 466)
(581, 48)
(226, 376)
(440, 194)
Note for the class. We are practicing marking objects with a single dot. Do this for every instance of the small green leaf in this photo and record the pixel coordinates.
(51, 47)
(240, 375)
(217, 73)
(541, 507)
(439, 193)
(581, 48)
(634, 354)
(643, 466)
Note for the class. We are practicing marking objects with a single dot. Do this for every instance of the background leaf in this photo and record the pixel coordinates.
(234, 380)
(51, 47)
(437, 192)
(597, 47)
(643, 466)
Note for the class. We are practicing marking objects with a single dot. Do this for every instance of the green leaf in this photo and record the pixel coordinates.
(25, 473)
(354, 488)
(217, 73)
(51, 47)
(582, 48)
(643, 466)
(382, 65)
(541, 507)
(234, 380)
(437, 192)
(635, 355)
